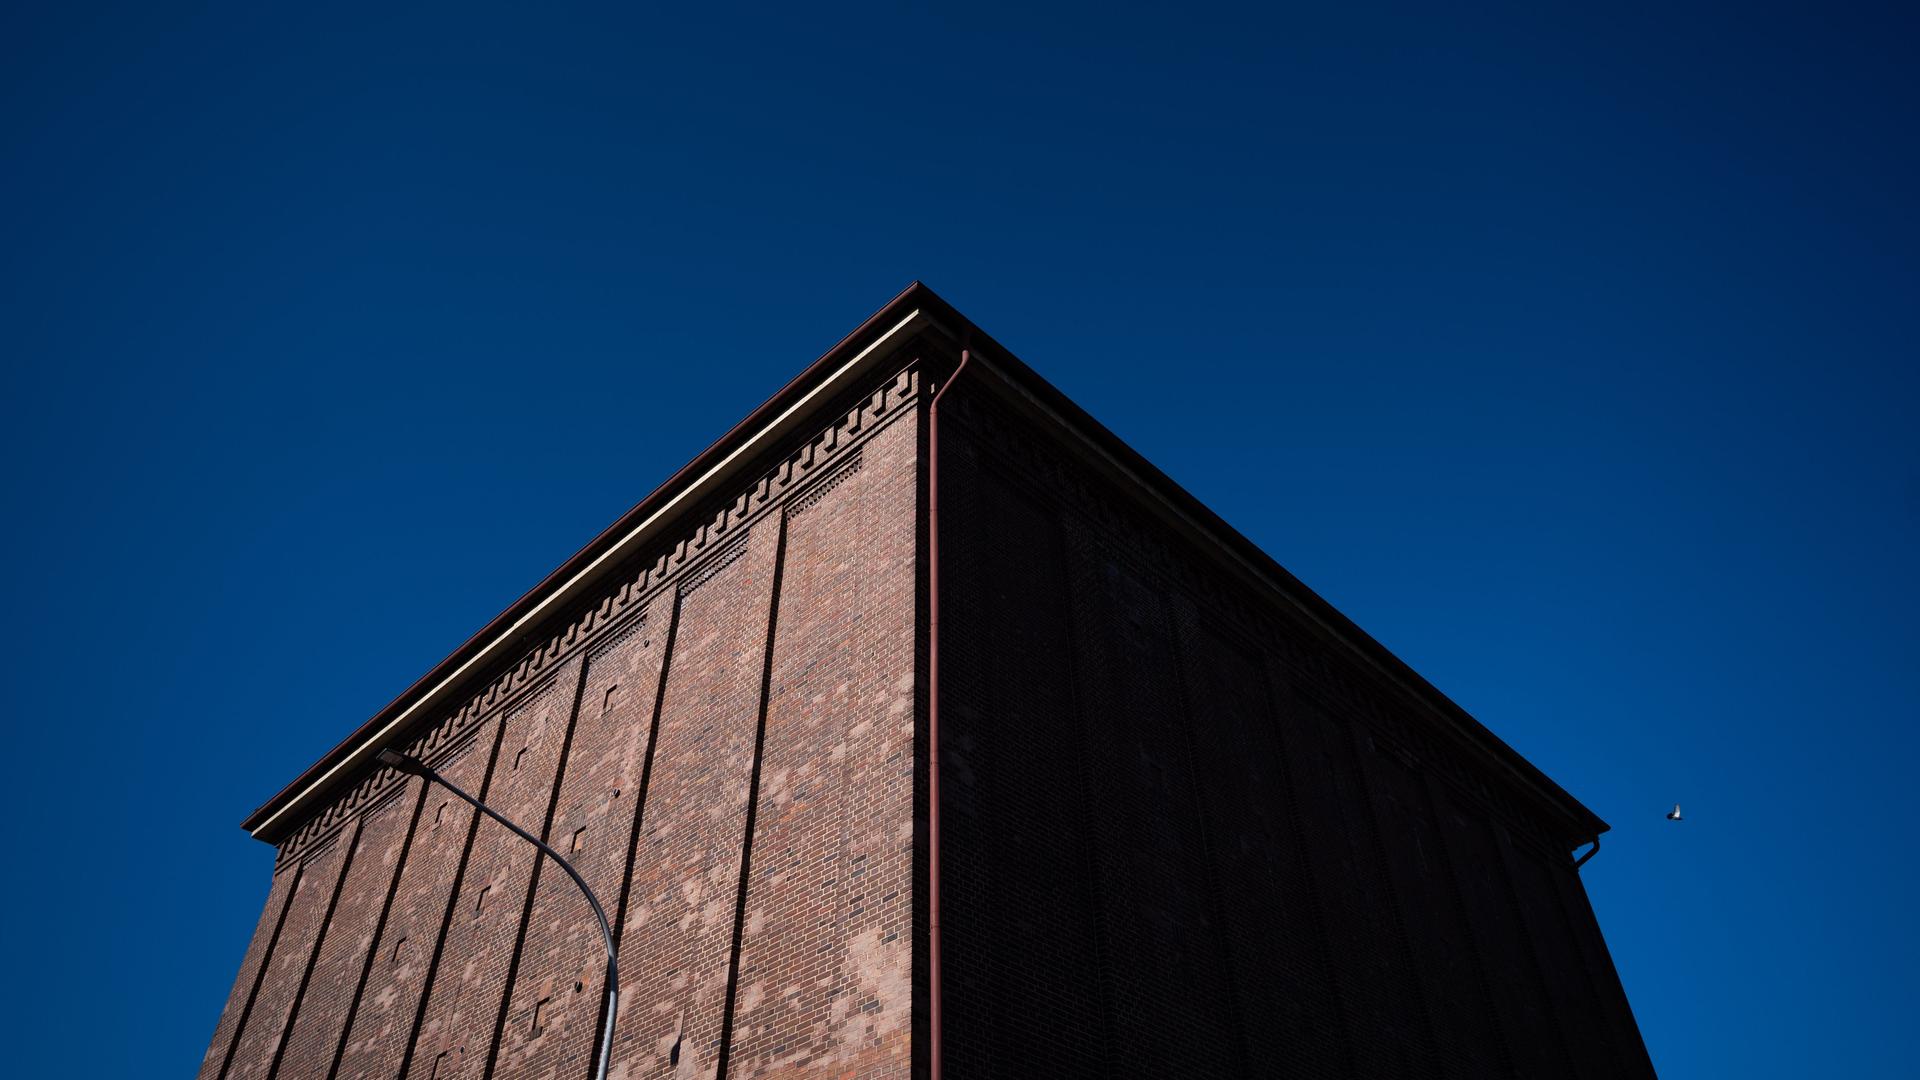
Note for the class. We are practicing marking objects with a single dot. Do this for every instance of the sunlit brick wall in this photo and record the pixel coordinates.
(724, 746)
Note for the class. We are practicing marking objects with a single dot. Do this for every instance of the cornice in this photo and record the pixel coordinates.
(683, 558)
(915, 315)
(1245, 580)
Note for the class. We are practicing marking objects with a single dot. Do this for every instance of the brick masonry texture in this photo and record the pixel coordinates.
(257, 1047)
(463, 996)
(380, 1031)
(560, 978)
(723, 746)
(677, 936)
(246, 985)
(1186, 830)
(826, 959)
(339, 965)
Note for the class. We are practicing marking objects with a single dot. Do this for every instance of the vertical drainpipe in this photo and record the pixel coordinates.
(933, 719)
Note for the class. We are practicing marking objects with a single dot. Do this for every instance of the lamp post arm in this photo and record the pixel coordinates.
(421, 769)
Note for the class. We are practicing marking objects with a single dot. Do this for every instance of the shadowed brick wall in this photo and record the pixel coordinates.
(1189, 833)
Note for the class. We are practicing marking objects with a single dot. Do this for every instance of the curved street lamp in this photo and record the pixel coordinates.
(416, 767)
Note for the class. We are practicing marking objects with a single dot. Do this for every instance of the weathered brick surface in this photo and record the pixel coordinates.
(381, 1029)
(300, 935)
(678, 937)
(452, 951)
(246, 984)
(825, 978)
(337, 971)
(563, 963)
(463, 998)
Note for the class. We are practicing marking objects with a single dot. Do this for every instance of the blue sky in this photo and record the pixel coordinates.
(1571, 353)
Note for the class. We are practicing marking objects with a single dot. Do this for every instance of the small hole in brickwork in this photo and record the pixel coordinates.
(616, 793)
(579, 985)
(539, 1017)
(579, 839)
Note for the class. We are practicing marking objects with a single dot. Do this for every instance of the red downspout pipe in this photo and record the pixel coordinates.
(933, 719)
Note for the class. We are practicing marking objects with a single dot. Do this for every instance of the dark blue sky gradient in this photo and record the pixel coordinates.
(1571, 353)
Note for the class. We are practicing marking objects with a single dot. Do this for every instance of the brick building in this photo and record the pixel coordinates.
(1190, 820)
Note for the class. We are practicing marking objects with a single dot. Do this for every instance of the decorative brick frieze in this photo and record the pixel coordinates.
(816, 490)
(604, 642)
(710, 568)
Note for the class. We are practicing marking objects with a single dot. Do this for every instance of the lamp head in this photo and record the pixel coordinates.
(393, 759)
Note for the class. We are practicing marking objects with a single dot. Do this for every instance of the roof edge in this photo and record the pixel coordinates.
(771, 420)
(915, 307)
(1198, 517)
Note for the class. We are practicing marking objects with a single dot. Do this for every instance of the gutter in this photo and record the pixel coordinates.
(933, 718)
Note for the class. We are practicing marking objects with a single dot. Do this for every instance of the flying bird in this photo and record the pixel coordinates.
(1674, 815)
